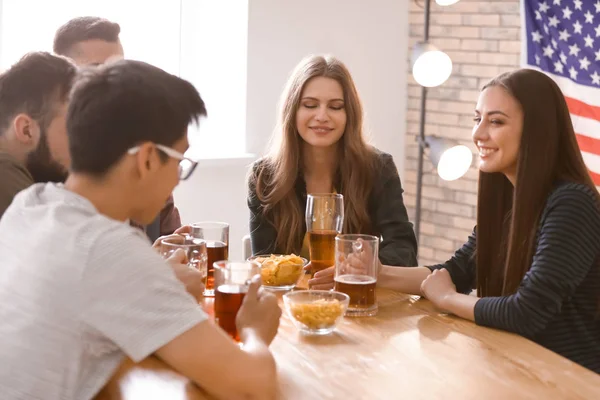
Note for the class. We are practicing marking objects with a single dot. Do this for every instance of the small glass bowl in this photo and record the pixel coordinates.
(316, 312)
(279, 276)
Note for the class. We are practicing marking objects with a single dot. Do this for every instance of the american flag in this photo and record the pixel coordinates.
(562, 39)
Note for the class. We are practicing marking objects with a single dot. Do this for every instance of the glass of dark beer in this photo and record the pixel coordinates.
(356, 269)
(324, 221)
(195, 250)
(216, 235)
(231, 285)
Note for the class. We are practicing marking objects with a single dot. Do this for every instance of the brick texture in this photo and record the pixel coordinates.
(482, 38)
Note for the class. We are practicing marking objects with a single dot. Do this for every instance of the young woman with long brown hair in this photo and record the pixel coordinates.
(534, 256)
(319, 147)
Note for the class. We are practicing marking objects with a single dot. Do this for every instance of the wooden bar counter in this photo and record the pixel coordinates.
(409, 351)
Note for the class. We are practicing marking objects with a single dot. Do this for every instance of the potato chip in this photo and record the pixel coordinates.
(320, 314)
(280, 270)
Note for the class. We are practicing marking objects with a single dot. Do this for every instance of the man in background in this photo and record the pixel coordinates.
(89, 41)
(95, 41)
(33, 139)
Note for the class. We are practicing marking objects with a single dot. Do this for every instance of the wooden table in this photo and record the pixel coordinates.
(409, 350)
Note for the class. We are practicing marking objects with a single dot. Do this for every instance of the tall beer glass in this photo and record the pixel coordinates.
(216, 235)
(324, 221)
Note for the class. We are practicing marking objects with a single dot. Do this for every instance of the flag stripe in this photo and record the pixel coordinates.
(582, 109)
(592, 160)
(595, 178)
(586, 126)
(587, 94)
(593, 163)
(588, 144)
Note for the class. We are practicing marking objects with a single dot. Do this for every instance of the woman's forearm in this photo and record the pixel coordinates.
(403, 279)
(461, 305)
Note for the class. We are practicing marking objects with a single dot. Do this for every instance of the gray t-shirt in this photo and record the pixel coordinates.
(78, 292)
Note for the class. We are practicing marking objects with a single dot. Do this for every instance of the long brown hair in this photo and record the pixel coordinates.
(507, 216)
(276, 181)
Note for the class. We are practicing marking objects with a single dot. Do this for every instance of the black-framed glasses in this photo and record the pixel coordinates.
(186, 165)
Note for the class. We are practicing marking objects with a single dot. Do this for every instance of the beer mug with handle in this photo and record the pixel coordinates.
(356, 269)
(195, 250)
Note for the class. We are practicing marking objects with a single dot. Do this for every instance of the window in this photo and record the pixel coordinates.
(203, 41)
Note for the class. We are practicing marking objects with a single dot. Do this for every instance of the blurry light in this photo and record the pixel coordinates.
(452, 160)
(446, 2)
(431, 67)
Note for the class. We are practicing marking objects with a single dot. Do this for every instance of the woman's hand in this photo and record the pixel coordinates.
(438, 288)
(322, 280)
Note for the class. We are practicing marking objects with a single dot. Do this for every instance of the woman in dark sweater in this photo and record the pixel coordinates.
(319, 148)
(534, 257)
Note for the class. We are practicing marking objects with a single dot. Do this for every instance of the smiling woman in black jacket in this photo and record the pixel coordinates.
(320, 148)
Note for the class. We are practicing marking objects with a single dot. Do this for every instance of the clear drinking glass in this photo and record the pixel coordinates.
(216, 235)
(324, 221)
(195, 250)
(231, 285)
(356, 268)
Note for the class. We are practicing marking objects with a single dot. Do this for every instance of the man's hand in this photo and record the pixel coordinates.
(259, 313)
(178, 235)
(192, 278)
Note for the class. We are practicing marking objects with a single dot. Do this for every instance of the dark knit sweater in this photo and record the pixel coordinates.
(556, 304)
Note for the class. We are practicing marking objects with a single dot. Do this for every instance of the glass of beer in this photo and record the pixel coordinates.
(356, 269)
(324, 221)
(231, 285)
(195, 250)
(216, 235)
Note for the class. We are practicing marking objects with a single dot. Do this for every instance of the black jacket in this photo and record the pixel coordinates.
(386, 208)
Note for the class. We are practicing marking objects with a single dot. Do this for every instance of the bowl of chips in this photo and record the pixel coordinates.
(280, 271)
(316, 312)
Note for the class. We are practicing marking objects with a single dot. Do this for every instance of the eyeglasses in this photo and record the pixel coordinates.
(186, 165)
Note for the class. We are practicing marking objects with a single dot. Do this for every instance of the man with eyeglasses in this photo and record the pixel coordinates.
(80, 289)
(94, 41)
(186, 165)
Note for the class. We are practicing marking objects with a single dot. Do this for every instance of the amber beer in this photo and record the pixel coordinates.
(228, 300)
(322, 249)
(216, 235)
(215, 251)
(360, 288)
